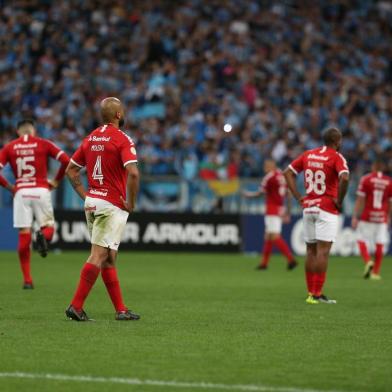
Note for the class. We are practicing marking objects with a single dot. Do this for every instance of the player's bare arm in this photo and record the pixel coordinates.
(249, 194)
(290, 177)
(343, 187)
(358, 208)
(287, 214)
(73, 174)
(5, 184)
(132, 186)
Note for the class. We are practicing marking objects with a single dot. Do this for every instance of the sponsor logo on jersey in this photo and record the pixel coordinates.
(98, 192)
(24, 146)
(318, 157)
(379, 181)
(99, 139)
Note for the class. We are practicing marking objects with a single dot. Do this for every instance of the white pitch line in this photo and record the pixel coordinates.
(155, 383)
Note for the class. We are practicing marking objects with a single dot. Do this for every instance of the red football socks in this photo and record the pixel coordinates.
(48, 232)
(24, 252)
(284, 248)
(363, 250)
(109, 276)
(318, 283)
(88, 276)
(267, 250)
(309, 281)
(378, 255)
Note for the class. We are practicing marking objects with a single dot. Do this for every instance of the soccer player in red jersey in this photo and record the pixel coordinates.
(28, 156)
(274, 187)
(371, 216)
(109, 156)
(326, 176)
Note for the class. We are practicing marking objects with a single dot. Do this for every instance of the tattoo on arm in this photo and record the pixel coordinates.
(75, 181)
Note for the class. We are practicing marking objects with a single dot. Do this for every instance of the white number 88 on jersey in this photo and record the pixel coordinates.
(315, 182)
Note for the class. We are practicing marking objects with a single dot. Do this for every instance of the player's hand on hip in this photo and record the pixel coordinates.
(126, 205)
(354, 222)
(301, 201)
(12, 189)
(338, 205)
(53, 184)
(286, 218)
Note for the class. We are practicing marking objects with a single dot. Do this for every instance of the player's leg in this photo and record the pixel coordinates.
(88, 277)
(280, 243)
(110, 278)
(23, 219)
(310, 265)
(309, 219)
(273, 229)
(24, 253)
(380, 238)
(320, 272)
(44, 215)
(267, 250)
(363, 233)
(326, 231)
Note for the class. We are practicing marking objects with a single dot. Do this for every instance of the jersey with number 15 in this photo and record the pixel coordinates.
(322, 167)
(28, 157)
(105, 153)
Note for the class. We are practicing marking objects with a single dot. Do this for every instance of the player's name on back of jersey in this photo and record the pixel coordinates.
(99, 139)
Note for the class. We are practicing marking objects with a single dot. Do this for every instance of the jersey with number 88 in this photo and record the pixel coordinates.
(322, 168)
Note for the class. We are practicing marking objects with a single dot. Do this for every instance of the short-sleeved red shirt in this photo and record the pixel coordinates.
(376, 188)
(322, 167)
(28, 157)
(274, 186)
(105, 153)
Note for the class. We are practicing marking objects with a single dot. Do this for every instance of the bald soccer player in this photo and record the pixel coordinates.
(28, 157)
(109, 156)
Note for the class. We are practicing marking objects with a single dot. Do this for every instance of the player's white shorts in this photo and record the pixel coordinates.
(319, 225)
(33, 203)
(372, 233)
(273, 224)
(105, 222)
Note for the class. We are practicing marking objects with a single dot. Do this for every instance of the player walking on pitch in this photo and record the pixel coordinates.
(326, 176)
(28, 157)
(371, 216)
(274, 187)
(109, 156)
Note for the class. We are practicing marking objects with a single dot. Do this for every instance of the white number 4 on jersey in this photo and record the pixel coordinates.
(97, 172)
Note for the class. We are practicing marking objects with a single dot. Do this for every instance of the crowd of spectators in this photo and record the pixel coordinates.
(277, 72)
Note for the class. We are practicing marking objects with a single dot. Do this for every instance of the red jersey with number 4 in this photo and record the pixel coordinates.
(274, 186)
(105, 153)
(28, 157)
(322, 168)
(376, 188)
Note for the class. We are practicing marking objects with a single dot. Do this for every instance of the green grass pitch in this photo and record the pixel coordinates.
(205, 318)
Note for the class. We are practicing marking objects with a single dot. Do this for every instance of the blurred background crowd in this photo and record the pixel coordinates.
(277, 72)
